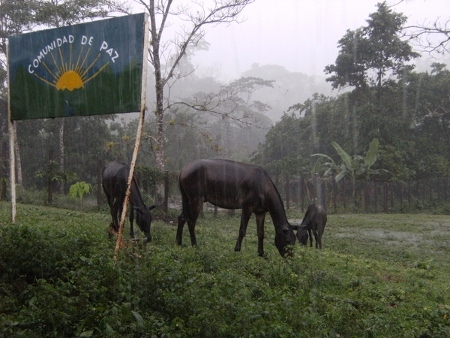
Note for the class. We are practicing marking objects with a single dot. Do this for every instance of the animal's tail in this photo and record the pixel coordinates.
(184, 200)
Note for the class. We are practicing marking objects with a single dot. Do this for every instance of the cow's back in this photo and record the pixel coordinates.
(315, 217)
(224, 183)
(114, 178)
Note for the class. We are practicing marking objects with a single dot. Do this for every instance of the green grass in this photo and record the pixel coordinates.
(377, 276)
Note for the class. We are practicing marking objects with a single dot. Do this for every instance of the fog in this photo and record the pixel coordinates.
(292, 41)
(300, 35)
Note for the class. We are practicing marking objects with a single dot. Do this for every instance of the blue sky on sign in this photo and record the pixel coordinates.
(87, 69)
(84, 48)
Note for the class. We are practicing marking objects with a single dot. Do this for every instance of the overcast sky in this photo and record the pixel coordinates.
(300, 35)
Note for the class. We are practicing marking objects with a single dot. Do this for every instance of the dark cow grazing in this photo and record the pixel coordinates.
(114, 182)
(233, 185)
(314, 220)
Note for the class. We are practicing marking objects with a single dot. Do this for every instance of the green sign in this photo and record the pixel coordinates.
(86, 69)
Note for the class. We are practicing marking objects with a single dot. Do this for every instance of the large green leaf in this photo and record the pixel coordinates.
(340, 176)
(324, 156)
(346, 158)
(371, 156)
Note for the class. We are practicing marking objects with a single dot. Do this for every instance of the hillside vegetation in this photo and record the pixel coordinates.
(377, 276)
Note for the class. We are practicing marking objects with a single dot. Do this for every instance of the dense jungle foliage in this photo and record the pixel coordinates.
(383, 98)
(386, 99)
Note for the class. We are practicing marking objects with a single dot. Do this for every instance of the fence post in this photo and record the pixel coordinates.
(445, 188)
(4, 173)
(375, 189)
(335, 194)
(418, 191)
(287, 189)
(429, 185)
(409, 194)
(99, 182)
(166, 191)
(318, 189)
(302, 193)
(401, 195)
(344, 189)
(367, 195)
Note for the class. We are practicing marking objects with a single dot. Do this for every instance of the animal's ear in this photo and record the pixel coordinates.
(295, 226)
(152, 207)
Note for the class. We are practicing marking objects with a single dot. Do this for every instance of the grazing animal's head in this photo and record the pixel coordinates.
(283, 238)
(302, 235)
(144, 220)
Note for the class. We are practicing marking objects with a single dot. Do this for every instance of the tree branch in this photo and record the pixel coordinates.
(434, 38)
(222, 11)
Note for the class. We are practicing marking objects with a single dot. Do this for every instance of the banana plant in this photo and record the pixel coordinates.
(351, 166)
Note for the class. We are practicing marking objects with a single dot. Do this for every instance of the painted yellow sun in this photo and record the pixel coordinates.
(69, 80)
(69, 75)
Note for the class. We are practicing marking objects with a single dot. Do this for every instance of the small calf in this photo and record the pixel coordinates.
(314, 221)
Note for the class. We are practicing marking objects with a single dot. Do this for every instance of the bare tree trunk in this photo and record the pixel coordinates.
(99, 182)
(224, 11)
(19, 178)
(159, 88)
(61, 153)
(160, 147)
(4, 166)
(166, 191)
(287, 191)
(49, 180)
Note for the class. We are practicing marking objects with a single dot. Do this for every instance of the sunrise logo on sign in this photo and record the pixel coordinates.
(71, 71)
(79, 70)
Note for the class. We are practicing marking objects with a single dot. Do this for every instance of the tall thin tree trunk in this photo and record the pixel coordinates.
(61, 153)
(159, 89)
(4, 173)
(49, 180)
(160, 151)
(99, 182)
(19, 178)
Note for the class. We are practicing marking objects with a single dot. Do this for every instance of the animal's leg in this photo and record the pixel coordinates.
(191, 226)
(310, 237)
(119, 214)
(110, 201)
(194, 211)
(318, 240)
(119, 206)
(131, 220)
(260, 218)
(191, 210)
(115, 215)
(245, 216)
(112, 211)
(181, 221)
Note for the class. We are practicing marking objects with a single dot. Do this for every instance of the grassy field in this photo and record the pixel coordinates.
(378, 276)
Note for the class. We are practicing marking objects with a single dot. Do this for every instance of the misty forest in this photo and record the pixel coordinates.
(270, 116)
(371, 136)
